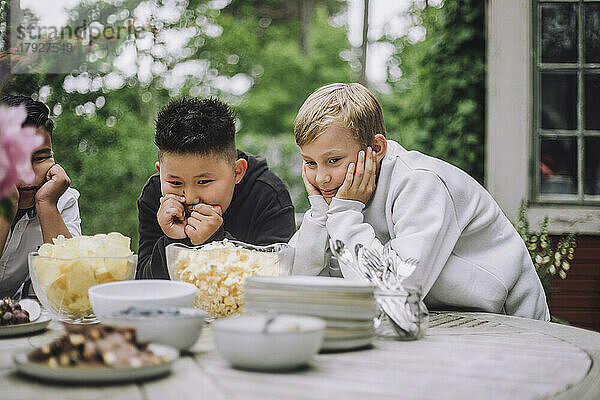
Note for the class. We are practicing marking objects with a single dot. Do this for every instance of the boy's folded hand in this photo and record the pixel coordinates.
(171, 216)
(310, 188)
(360, 181)
(203, 222)
(57, 182)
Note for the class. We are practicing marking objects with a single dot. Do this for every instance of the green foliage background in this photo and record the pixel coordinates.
(436, 106)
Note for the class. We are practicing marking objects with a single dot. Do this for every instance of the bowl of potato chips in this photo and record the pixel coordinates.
(219, 270)
(63, 272)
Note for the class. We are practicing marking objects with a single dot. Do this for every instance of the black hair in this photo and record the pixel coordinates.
(38, 114)
(196, 126)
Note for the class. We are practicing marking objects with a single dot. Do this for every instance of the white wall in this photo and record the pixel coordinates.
(509, 120)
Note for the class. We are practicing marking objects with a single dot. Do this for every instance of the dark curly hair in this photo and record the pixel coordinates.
(38, 114)
(196, 126)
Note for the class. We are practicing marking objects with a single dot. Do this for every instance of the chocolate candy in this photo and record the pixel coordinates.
(96, 345)
(11, 312)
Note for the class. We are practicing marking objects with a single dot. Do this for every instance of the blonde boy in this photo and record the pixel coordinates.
(365, 189)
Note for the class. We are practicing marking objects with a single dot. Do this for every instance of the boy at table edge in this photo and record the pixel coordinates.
(206, 190)
(364, 188)
(45, 209)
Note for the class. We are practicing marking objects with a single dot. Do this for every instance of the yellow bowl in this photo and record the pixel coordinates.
(61, 284)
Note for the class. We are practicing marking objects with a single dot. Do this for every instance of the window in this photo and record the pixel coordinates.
(566, 139)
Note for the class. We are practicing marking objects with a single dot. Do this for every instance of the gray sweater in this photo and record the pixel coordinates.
(470, 256)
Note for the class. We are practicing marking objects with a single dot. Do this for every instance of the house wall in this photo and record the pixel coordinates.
(509, 121)
(576, 299)
(508, 102)
(509, 107)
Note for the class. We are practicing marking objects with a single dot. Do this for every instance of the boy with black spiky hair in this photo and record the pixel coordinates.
(206, 189)
(45, 209)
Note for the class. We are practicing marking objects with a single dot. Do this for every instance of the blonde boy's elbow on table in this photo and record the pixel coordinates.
(527, 299)
(305, 262)
(310, 245)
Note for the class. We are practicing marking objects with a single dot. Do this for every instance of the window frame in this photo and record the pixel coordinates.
(580, 68)
(509, 121)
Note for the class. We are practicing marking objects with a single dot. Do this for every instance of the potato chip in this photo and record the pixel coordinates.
(56, 292)
(79, 306)
(80, 277)
(46, 250)
(47, 271)
(66, 269)
(118, 268)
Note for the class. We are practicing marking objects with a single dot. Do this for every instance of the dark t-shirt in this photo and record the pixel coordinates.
(261, 213)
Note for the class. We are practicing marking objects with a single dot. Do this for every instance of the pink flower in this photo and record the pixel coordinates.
(16, 146)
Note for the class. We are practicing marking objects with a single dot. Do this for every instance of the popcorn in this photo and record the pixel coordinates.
(219, 270)
(65, 270)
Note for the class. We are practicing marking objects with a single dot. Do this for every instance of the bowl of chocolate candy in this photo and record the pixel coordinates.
(93, 353)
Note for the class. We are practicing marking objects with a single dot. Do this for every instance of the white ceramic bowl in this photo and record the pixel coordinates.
(179, 327)
(108, 298)
(289, 341)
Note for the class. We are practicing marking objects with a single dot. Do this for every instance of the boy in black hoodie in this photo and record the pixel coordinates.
(206, 190)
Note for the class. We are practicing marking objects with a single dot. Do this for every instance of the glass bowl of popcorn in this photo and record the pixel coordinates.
(219, 269)
(62, 272)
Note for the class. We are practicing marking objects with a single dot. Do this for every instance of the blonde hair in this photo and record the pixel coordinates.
(352, 105)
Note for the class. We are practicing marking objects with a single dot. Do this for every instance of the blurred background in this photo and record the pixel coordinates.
(424, 60)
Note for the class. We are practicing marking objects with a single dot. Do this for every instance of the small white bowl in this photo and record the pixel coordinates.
(289, 341)
(108, 298)
(179, 327)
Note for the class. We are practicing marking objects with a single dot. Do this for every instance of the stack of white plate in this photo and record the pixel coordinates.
(347, 306)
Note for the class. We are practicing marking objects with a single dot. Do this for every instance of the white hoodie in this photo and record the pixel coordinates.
(470, 256)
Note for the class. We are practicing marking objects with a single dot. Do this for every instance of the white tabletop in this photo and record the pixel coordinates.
(463, 356)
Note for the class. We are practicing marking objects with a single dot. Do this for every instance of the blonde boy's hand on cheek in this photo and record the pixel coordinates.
(57, 183)
(203, 222)
(310, 188)
(361, 178)
(171, 216)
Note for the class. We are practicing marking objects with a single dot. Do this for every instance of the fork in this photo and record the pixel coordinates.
(366, 256)
(407, 266)
(394, 276)
(376, 261)
(346, 262)
(367, 266)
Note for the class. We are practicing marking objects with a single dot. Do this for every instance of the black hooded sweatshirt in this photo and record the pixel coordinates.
(261, 213)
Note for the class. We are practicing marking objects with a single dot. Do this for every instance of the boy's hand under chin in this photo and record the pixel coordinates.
(203, 222)
(57, 183)
(310, 188)
(360, 181)
(171, 216)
